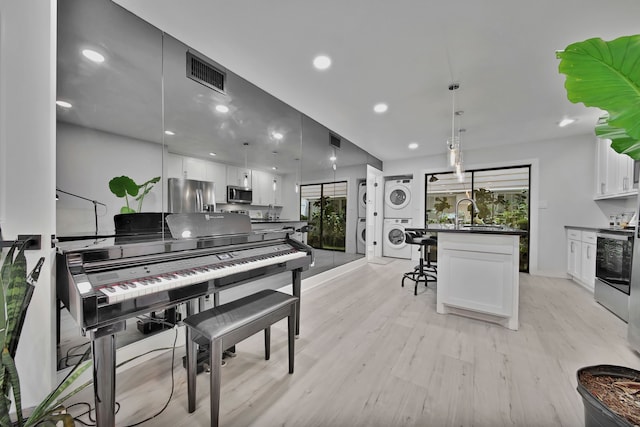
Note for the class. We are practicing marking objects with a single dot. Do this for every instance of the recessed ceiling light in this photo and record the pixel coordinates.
(93, 55)
(413, 145)
(380, 108)
(168, 132)
(566, 122)
(64, 104)
(222, 108)
(212, 154)
(278, 135)
(322, 62)
(333, 158)
(274, 168)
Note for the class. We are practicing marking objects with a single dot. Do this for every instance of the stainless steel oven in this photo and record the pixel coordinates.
(614, 254)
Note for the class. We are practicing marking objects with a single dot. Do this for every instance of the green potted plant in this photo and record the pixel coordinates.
(125, 187)
(16, 290)
(606, 75)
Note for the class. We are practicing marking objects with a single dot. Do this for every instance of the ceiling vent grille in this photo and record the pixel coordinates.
(204, 73)
(334, 141)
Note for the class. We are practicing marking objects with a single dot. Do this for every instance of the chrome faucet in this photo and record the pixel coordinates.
(475, 209)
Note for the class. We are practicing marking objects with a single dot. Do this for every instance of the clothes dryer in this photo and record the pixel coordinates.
(393, 241)
(362, 200)
(397, 198)
(361, 238)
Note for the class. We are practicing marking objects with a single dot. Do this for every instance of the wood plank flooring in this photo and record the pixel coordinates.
(373, 354)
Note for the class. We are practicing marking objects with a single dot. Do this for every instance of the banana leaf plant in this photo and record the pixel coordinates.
(16, 291)
(123, 186)
(606, 75)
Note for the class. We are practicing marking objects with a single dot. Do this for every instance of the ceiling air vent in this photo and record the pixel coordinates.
(334, 141)
(205, 73)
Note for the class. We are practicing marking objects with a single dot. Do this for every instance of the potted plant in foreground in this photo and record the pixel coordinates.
(606, 75)
(16, 290)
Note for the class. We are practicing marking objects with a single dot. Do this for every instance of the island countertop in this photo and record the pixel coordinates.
(474, 229)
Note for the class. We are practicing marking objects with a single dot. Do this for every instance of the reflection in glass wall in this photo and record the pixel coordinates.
(324, 206)
(109, 116)
(502, 197)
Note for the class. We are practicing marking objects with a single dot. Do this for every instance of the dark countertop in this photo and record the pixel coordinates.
(275, 221)
(477, 229)
(602, 229)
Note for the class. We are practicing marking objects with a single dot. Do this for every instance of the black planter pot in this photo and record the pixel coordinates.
(596, 413)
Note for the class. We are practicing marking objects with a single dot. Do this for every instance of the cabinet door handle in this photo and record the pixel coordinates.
(571, 247)
(602, 187)
(625, 183)
(588, 252)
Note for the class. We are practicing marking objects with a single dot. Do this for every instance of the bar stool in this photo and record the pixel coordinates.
(423, 272)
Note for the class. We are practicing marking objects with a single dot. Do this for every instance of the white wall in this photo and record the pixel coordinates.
(564, 196)
(27, 171)
(87, 160)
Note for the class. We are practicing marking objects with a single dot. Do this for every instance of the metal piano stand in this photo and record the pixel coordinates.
(103, 348)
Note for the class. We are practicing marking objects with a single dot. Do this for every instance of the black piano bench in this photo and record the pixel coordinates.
(226, 325)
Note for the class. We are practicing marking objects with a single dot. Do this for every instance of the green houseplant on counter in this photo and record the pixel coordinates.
(125, 187)
(606, 75)
(16, 290)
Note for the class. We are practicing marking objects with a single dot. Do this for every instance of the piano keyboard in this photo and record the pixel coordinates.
(139, 281)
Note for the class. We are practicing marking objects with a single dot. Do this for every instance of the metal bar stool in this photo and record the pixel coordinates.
(423, 272)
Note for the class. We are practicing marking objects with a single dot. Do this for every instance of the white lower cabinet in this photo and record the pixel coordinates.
(581, 257)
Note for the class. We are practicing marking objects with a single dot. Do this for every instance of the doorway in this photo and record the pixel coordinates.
(324, 207)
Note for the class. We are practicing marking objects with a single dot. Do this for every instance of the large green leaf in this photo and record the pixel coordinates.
(606, 75)
(10, 369)
(123, 185)
(17, 295)
(49, 406)
(620, 141)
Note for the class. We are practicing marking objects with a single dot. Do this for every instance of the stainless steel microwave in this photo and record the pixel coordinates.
(239, 194)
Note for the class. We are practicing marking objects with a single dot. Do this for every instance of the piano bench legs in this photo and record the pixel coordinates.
(225, 325)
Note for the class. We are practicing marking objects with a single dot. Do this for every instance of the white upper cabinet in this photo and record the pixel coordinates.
(267, 188)
(217, 173)
(186, 167)
(201, 170)
(174, 166)
(236, 176)
(614, 172)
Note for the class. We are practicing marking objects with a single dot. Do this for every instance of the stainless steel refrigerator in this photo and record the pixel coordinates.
(189, 195)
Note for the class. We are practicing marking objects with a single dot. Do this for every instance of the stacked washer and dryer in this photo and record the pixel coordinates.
(361, 228)
(397, 217)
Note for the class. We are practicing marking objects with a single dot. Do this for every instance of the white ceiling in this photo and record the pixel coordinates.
(405, 53)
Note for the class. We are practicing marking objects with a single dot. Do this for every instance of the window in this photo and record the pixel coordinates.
(501, 194)
(324, 207)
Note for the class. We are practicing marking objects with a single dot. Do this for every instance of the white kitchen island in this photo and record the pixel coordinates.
(478, 274)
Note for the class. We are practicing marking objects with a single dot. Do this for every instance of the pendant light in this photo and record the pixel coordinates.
(297, 175)
(453, 143)
(246, 175)
(459, 166)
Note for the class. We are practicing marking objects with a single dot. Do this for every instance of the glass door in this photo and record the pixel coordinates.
(324, 206)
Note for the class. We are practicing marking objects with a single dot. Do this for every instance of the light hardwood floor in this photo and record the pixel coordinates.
(371, 353)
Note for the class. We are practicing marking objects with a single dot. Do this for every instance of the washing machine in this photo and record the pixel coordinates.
(397, 198)
(362, 200)
(361, 239)
(393, 243)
